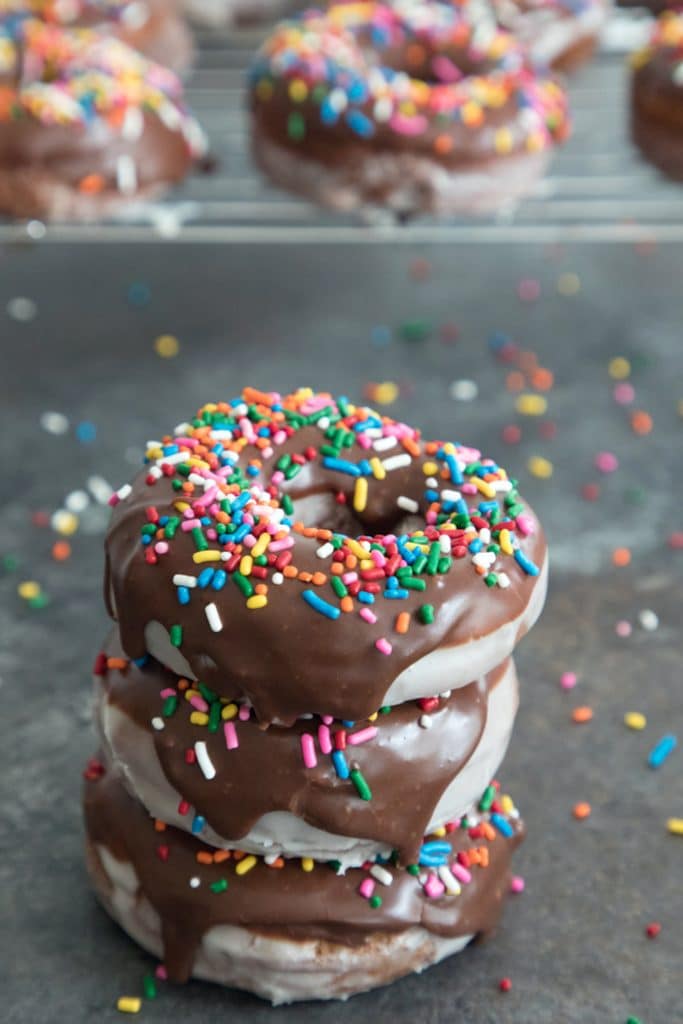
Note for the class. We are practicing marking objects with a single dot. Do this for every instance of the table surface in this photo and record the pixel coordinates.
(277, 315)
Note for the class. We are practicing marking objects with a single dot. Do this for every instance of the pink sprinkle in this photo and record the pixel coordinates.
(327, 719)
(434, 887)
(606, 462)
(198, 703)
(623, 628)
(113, 500)
(624, 393)
(190, 524)
(230, 733)
(430, 518)
(266, 452)
(362, 736)
(445, 70)
(403, 125)
(517, 883)
(244, 713)
(324, 739)
(369, 616)
(161, 547)
(366, 888)
(160, 973)
(281, 545)
(279, 436)
(468, 489)
(461, 873)
(211, 534)
(349, 577)
(568, 680)
(249, 541)
(378, 558)
(383, 645)
(525, 525)
(529, 289)
(277, 477)
(168, 691)
(308, 750)
(363, 440)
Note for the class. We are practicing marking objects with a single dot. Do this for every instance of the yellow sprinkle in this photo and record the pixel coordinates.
(635, 720)
(190, 693)
(505, 542)
(167, 347)
(503, 140)
(449, 449)
(675, 826)
(355, 548)
(360, 494)
(507, 804)
(540, 467)
(229, 712)
(65, 522)
(439, 832)
(568, 283)
(619, 368)
(246, 864)
(260, 546)
(531, 405)
(307, 863)
(378, 470)
(257, 601)
(385, 393)
(154, 453)
(28, 589)
(181, 506)
(246, 565)
(483, 487)
(206, 556)
(199, 718)
(366, 563)
(430, 468)
(298, 90)
(194, 460)
(128, 1004)
(373, 717)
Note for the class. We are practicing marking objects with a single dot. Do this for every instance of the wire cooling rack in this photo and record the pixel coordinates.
(598, 188)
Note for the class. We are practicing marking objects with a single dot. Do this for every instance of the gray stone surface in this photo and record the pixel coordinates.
(574, 942)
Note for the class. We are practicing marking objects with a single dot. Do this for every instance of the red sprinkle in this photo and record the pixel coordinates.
(505, 984)
(653, 930)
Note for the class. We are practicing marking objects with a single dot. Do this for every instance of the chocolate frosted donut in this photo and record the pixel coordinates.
(560, 34)
(153, 27)
(657, 96)
(438, 571)
(409, 106)
(86, 124)
(434, 755)
(287, 930)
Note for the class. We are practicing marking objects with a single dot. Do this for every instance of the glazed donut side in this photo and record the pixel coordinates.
(657, 97)
(324, 622)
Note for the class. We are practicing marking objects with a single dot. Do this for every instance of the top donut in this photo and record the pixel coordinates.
(312, 555)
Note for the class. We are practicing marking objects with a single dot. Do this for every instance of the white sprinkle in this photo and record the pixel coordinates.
(648, 619)
(449, 495)
(445, 544)
(271, 858)
(226, 556)
(503, 580)
(484, 558)
(181, 580)
(409, 504)
(204, 761)
(172, 460)
(158, 723)
(221, 435)
(36, 230)
(431, 481)
(195, 882)
(181, 429)
(77, 501)
(136, 15)
(155, 473)
(21, 309)
(240, 410)
(325, 550)
(383, 109)
(383, 876)
(123, 492)
(501, 486)
(678, 74)
(446, 694)
(323, 422)
(449, 880)
(337, 100)
(396, 462)
(425, 721)
(463, 390)
(99, 488)
(485, 535)
(64, 521)
(126, 174)
(213, 618)
(277, 578)
(195, 478)
(383, 444)
(133, 124)
(54, 422)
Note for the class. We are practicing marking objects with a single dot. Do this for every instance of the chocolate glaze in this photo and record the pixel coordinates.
(286, 902)
(407, 767)
(287, 659)
(657, 110)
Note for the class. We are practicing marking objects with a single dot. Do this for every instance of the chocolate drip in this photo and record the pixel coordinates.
(288, 901)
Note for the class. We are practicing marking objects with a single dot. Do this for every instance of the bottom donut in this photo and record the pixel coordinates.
(290, 930)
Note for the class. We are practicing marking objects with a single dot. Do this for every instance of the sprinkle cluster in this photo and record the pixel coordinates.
(667, 35)
(72, 12)
(407, 69)
(80, 76)
(232, 501)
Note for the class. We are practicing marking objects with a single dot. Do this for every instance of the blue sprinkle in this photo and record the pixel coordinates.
(198, 824)
(475, 546)
(86, 432)
(366, 597)
(365, 467)
(529, 568)
(340, 765)
(503, 825)
(141, 662)
(341, 465)
(205, 577)
(145, 539)
(360, 124)
(348, 724)
(183, 595)
(396, 594)
(381, 335)
(170, 449)
(317, 603)
(392, 583)
(431, 495)
(241, 532)
(220, 579)
(253, 471)
(139, 294)
(661, 750)
(454, 470)
(328, 114)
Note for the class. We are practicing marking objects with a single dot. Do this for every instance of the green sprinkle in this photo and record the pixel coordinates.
(362, 788)
(293, 471)
(170, 706)
(415, 330)
(149, 987)
(284, 462)
(220, 886)
(335, 865)
(338, 587)
(296, 126)
(425, 614)
(176, 635)
(215, 716)
(413, 869)
(419, 564)
(491, 579)
(444, 565)
(200, 541)
(38, 602)
(287, 504)
(375, 901)
(488, 796)
(171, 527)
(207, 693)
(10, 563)
(243, 584)
(386, 710)
(410, 583)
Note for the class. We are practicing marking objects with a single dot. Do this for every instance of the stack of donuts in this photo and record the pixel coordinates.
(306, 696)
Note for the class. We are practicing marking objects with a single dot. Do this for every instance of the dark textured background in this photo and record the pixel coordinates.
(573, 943)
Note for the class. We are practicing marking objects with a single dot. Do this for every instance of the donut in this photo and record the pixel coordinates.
(657, 96)
(87, 124)
(289, 930)
(153, 27)
(436, 756)
(409, 107)
(560, 34)
(225, 562)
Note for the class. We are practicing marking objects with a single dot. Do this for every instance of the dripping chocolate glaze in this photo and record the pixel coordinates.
(287, 902)
(287, 659)
(407, 767)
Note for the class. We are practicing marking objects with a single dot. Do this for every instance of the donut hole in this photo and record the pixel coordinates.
(324, 512)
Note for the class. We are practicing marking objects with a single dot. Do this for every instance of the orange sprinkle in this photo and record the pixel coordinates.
(290, 571)
(410, 446)
(221, 855)
(187, 487)
(305, 577)
(279, 863)
(484, 857)
(402, 622)
(431, 447)
(582, 714)
(350, 561)
(641, 422)
(238, 854)
(310, 531)
(336, 568)
(261, 588)
(346, 603)
(488, 831)
(621, 557)
(61, 550)
(159, 826)
(443, 144)
(542, 379)
(183, 684)
(204, 858)
(581, 810)
(119, 664)
(514, 381)
(91, 184)
(318, 579)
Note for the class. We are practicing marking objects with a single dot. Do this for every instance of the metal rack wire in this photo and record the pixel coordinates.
(598, 188)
